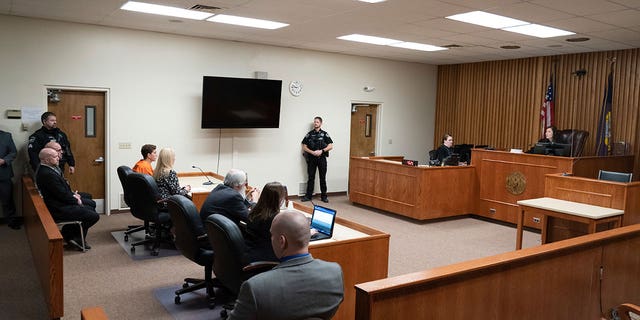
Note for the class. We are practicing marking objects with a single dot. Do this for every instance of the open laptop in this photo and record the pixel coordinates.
(323, 220)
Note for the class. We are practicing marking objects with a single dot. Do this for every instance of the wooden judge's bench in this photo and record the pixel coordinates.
(490, 187)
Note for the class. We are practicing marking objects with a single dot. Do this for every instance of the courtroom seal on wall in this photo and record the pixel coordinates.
(516, 183)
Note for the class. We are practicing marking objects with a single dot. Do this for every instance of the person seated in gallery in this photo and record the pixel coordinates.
(257, 236)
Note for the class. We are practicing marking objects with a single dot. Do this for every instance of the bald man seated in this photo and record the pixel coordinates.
(64, 204)
(300, 287)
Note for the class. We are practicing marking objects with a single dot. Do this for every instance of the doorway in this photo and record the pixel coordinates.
(81, 115)
(364, 122)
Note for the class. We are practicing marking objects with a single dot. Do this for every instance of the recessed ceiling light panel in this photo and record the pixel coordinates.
(164, 10)
(539, 31)
(486, 19)
(247, 22)
(369, 39)
(417, 46)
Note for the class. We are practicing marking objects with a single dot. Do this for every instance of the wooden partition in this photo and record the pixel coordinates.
(569, 279)
(46, 246)
(617, 195)
(417, 192)
(505, 178)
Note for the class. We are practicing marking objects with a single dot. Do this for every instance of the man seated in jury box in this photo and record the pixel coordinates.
(64, 204)
(230, 198)
(300, 287)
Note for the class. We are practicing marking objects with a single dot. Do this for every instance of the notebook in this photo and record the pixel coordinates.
(323, 220)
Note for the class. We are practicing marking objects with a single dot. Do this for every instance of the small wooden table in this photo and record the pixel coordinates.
(587, 214)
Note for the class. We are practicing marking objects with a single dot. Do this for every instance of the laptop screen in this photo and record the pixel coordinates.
(323, 219)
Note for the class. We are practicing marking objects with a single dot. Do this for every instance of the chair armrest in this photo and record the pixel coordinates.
(626, 308)
(203, 237)
(260, 266)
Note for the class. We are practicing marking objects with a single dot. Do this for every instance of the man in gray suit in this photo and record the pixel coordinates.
(300, 287)
(7, 155)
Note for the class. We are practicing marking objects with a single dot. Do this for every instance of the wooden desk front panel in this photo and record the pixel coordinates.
(495, 201)
(417, 192)
(623, 196)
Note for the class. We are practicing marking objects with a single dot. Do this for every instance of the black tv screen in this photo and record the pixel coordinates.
(240, 102)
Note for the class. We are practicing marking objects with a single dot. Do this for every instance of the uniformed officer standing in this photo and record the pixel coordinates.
(50, 132)
(316, 146)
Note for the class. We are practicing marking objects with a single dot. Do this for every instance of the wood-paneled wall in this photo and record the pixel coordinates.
(498, 102)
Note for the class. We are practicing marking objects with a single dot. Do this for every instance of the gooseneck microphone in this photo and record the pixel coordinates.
(206, 183)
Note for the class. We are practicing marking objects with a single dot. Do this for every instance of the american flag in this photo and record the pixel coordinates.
(603, 143)
(547, 111)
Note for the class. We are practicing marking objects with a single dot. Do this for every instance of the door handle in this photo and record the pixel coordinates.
(99, 160)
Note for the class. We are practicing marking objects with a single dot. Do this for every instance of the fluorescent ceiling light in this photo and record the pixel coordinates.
(539, 31)
(165, 10)
(369, 39)
(372, 1)
(417, 46)
(487, 19)
(247, 22)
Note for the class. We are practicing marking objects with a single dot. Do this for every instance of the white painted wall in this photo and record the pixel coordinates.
(155, 83)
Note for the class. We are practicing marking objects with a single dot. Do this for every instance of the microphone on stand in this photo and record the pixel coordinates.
(206, 183)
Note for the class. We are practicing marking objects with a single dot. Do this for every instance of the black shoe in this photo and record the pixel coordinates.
(86, 245)
(325, 199)
(76, 243)
(305, 199)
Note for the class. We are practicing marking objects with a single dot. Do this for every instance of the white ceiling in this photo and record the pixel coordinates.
(315, 24)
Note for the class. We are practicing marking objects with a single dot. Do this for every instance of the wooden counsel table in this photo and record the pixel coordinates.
(362, 252)
(582, 213)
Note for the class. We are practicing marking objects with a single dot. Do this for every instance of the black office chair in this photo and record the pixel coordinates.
(144, 206)
(614, 176)
(191, 240)
(123, 172)
(228, 265)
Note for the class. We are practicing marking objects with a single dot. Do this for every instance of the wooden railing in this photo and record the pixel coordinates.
(46, 246)
(578, 278)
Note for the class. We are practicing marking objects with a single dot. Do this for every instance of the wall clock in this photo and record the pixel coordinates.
(295, 88)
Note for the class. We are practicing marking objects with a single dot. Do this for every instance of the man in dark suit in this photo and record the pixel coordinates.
(230, 199)
(7, 155)
(300, 287)
(64, 204)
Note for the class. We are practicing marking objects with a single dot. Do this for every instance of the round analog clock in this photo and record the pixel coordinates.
(295, 87)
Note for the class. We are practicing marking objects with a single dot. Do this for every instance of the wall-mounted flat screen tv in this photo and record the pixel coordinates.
(240, 102)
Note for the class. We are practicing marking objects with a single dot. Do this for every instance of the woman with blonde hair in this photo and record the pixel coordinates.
(166, 177)
(258, 236)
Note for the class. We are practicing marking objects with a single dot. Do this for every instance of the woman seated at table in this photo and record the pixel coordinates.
(257, 235)
(167, 178)
(446, 149)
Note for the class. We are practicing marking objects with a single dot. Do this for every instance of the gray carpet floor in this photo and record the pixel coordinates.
(127, 289)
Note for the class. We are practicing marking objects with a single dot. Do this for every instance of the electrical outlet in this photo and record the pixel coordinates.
(536, 219)
(492, 211)
(124, 145)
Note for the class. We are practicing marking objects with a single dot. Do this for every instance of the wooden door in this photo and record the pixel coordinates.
(80, 115)
(363, 130)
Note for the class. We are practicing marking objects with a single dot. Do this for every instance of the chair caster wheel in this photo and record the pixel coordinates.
(185, 285)
(176, 300)
(223, 314)
(126, 237)
(155, 252)
(133, 249)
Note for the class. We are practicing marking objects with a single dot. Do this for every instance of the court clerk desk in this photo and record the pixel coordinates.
(362, 252)
(490, 187)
